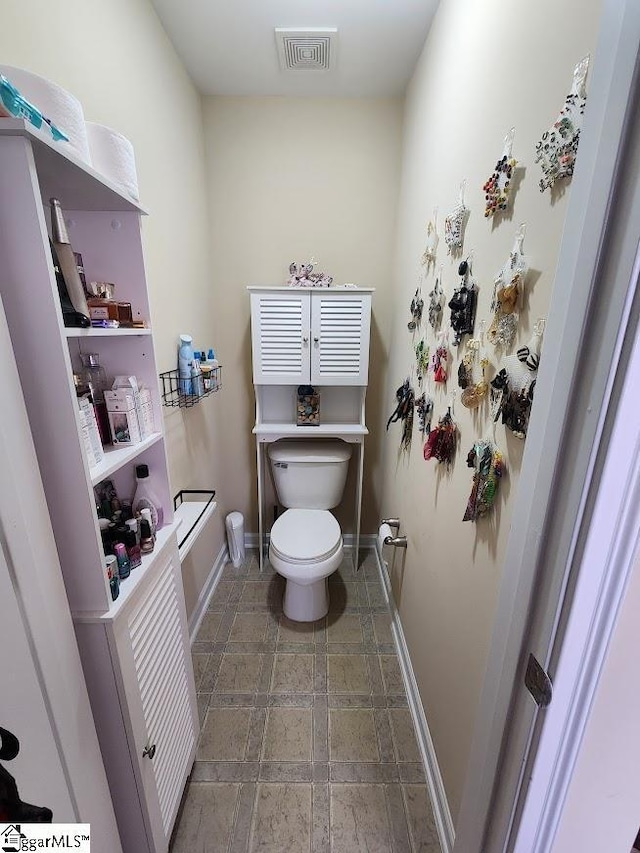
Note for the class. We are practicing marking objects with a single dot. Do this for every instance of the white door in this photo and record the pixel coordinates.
(280, 329)
(37, 768)
(582, 370)
(340, 325)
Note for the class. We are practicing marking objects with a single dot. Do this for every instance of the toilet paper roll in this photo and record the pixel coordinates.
(113, 155)
(54, 102)
(383, 531)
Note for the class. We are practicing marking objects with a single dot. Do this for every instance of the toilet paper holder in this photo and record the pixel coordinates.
(396, 541)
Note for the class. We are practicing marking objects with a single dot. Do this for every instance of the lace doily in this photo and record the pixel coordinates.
(498, 187)
(454, 224)
(556, 151)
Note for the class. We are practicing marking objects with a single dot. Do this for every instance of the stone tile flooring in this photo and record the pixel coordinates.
(307, 743)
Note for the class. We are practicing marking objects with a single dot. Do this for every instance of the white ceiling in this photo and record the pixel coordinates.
(229, 48)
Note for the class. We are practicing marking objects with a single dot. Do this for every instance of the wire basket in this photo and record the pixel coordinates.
(185, 393)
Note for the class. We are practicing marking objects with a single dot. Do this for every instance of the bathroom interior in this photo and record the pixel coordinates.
(337, 649)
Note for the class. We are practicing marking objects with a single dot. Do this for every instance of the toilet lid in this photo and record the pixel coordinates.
(305, 535)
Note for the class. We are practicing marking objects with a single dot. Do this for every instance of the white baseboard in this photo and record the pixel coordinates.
(206, 592)
(437, 793)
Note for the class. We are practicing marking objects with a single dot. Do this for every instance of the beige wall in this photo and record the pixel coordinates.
(291, 178)
(483, 70)
(116, 58)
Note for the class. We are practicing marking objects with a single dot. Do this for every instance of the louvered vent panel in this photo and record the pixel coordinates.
(281, 332)
(159, 655)
(340, 337)
(306, 49)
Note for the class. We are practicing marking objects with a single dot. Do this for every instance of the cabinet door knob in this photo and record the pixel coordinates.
(305, 340)
(316, 340)
(149, 751)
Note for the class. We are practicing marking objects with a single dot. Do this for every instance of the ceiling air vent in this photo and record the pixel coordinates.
(312, 49)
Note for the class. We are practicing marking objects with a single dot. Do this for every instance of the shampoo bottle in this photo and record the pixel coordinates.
(66, 259)
(196, 375)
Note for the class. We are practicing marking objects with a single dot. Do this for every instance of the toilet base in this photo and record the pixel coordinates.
(306, 602)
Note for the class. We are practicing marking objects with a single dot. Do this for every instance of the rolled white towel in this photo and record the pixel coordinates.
(113, 155)
(54, 102)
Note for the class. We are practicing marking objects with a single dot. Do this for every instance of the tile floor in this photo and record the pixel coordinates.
(307, 742)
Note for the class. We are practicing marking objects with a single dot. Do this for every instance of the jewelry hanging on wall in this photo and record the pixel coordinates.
(557, 149)
(473, 392)
(488, 469)
(463, 303)
(497, 188)
(443, 439)
(436, 301)
(422, 360)
(454, 224)
(416, 308)
(405, 398)
(429, 254)
(424, 408)
(508, 289)
(512, 388)
(439, 358)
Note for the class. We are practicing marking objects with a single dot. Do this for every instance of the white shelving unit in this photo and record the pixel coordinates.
(310, 336)
(137, 703)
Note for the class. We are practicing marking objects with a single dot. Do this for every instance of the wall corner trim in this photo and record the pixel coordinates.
(206, 592)
(435, 784)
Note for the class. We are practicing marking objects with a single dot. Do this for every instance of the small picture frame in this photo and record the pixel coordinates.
(307, 406)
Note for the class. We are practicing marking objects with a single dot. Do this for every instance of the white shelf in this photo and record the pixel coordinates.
(105, 333)
(64, 175)
(116, 457)
(186, 515)
(129, 585)
(308, 431)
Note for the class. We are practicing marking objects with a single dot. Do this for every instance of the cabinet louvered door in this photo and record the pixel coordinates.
(340, 324)
(280, 338)
(163, 711)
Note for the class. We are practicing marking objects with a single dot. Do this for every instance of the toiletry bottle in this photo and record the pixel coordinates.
(146, 539)
(145, 515)
(133, 549)
(145, 497)
(70, 317)
(185, 357)
(205, 370)
(124, 565)
(66, 259)
(134, 527)
(111, 567)
(215, 378)
(196, 376)
(94, 375)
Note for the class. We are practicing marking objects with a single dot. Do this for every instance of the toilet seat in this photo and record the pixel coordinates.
(305, 536)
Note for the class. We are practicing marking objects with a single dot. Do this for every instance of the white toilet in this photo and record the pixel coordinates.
(306, 541)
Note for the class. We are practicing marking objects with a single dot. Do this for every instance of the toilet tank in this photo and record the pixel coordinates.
(309, 473)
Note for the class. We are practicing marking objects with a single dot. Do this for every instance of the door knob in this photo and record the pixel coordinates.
(316, 340)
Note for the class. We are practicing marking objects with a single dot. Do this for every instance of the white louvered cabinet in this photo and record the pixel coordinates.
(310, 336)
(318, 336)
(141, 666)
